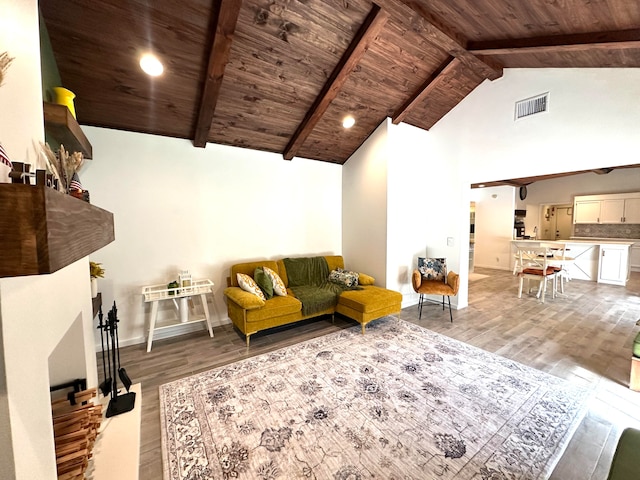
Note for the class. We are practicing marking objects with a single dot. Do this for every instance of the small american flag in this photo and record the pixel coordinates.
(75, 183)
(4, 157)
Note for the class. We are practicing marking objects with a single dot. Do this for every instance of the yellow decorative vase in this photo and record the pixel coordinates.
(65, 97)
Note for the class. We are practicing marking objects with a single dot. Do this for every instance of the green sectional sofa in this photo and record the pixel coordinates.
(251, 314)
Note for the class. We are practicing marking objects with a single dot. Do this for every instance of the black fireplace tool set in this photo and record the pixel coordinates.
(111, 364)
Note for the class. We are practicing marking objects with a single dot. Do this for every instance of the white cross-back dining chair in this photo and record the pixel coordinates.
(559, 261)
(536, 266)
(522, 258)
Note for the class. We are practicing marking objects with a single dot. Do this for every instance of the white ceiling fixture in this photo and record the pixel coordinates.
(151, 65)
(348, 121)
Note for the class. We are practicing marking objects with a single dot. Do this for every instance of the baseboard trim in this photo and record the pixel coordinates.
(173, 332)
(493, 267)
(414, 302)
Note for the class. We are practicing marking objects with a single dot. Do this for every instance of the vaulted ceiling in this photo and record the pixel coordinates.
(280, 75)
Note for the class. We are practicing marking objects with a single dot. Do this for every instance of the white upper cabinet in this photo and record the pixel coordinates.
(612, 211)
(613, 208)
(586, 211)
(632, 210)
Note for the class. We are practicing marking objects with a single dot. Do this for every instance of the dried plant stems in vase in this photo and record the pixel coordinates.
(51, 161)
(71, 163)
(62, 165)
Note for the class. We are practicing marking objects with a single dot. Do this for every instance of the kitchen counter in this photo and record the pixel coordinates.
(601, 260)
(603, 240)
(581, 240)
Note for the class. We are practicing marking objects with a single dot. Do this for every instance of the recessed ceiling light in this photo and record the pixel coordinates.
(348, 122)
(481, 185)
(151, 65)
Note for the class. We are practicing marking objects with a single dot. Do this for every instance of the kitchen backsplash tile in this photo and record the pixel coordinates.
(615, 230)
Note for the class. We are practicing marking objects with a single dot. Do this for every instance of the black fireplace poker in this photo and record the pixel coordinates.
(105, 385)
(118, 403)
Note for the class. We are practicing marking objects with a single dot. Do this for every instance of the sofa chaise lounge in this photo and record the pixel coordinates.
(251, 314)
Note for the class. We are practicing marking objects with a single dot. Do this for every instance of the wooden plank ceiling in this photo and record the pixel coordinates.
(280, 75)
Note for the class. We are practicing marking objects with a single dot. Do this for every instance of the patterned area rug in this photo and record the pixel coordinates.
(400, 402)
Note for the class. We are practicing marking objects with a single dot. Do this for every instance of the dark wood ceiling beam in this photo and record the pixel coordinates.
(369, 30)
(225, 19)
(518, 182)
(434, 80)
(619, 40)
(447, 39)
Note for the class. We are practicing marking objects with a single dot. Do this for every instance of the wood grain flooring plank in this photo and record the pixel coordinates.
(587, 444)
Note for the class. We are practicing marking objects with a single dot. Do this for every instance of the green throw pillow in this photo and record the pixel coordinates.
(264, 282)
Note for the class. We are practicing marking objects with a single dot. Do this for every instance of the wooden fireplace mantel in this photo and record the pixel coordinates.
(43, 230)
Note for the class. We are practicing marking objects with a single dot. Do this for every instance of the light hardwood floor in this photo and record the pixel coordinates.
(585, 337)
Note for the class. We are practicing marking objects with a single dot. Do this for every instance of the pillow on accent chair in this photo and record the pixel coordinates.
(344, 277)
(433, 268)
(278, 284)
(248, 284)
(264, 282)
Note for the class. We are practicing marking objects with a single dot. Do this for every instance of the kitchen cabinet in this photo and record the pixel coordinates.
(586, 211)
(601, 261)
(620, 210)
(612, 211)
(612, 208)
(632, 210)
(613, 266)
(634, 257)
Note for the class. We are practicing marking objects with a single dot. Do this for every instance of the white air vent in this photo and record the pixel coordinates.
(533, 105)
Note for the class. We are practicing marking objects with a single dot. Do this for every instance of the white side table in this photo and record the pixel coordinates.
(156, 293)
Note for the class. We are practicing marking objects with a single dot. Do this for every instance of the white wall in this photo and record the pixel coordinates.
(364, 207)
(421, 209)
(591, 123)
(408, 224)
(21, 122)
(398, 205)
(35, 311)
(494, 226)
(179, 207)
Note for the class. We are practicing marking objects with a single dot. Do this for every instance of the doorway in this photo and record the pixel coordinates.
(557, 222)
(564, 222)
(472, 234)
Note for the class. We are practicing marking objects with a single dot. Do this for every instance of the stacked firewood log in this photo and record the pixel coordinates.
(75, 428)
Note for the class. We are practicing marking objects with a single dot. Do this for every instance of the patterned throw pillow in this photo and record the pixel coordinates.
(248, 284)
(344, 277)
(433, 268)
(278, 284)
